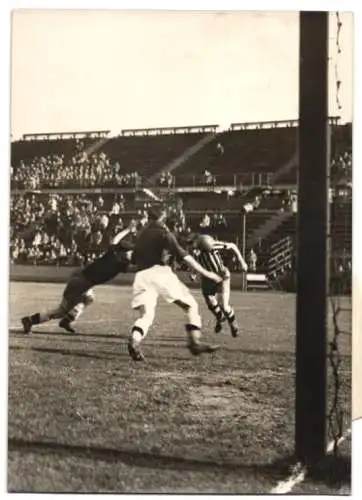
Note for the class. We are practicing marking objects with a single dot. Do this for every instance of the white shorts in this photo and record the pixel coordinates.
(157, 281)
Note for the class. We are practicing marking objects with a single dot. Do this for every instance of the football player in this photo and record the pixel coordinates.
(217, 295)
(155, 278)
(78, 292)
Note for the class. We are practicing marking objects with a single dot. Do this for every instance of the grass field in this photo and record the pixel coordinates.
(84, 418)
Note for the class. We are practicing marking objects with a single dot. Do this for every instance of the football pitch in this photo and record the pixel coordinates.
(83, 417)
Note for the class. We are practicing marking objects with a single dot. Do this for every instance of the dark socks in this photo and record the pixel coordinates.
(69, 317)
(137, 329)
(194, 332)
(35, 319)
(216, 311)
(230, 316)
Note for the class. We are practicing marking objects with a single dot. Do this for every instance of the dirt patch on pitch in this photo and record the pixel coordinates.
(215, 395)
(222, 400)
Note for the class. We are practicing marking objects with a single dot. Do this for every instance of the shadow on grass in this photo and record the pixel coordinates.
(143, 459)
(83, 335)
(78, 334)
(162, 342)
(68, 352)
(119, 353)
(333, 471)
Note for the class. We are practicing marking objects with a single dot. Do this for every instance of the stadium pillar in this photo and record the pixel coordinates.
(312, 272)
(243, 251)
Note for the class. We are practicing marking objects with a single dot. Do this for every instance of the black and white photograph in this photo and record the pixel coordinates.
(180, 252)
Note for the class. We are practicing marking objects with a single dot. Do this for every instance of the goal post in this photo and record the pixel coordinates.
(313, 240)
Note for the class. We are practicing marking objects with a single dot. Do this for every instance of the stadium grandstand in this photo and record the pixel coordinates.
(70, 192)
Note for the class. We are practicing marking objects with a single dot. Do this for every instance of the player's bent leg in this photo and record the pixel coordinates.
(191, 309)
(88, 297)
(193, 326)
(75, 289)
(71, 316)
(213, 306)
(42, 317)
(140, 329)
(174, 291)
(145, 320)
(86, 300)
(229, 313)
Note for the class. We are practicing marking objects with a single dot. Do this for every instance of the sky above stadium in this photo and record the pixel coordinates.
(94, 70)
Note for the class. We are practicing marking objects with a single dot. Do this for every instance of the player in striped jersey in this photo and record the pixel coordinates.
(217, 295)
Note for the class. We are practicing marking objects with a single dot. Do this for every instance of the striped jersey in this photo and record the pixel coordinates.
(211, 259)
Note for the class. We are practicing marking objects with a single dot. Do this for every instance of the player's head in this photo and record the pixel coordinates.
(203, 241)
(157, 213)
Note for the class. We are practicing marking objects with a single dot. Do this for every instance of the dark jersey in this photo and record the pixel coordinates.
(154, 244)
(106, 267)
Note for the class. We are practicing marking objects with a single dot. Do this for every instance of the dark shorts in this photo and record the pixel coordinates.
(209, 287)
(76, 290)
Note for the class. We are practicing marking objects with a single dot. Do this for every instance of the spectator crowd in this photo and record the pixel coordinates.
(82, 170)
(90, 170)
(341, 166)
(73, 229)
(59, 229)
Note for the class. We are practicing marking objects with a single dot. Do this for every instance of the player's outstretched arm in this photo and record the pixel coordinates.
(181, 255)
(130, 229)
(225, 245)
(120, 236)
(234, 248)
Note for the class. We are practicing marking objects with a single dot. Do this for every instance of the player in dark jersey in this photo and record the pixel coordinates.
(217, 295)
(78, 292)
(154, 278)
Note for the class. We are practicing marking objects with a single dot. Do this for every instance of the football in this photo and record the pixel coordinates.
(205, 242)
